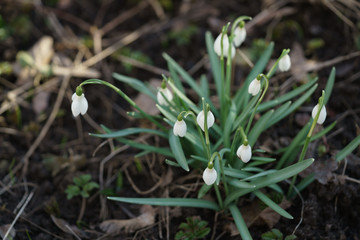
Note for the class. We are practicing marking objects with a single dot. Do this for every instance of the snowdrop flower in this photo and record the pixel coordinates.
(201, 119)
(284, 63)
(180, 127)
(217, 46)
(167, 93)
(244, 153)
(254, 87)
(79, 103)
(209, 175)
(239, 36)
(322, 115)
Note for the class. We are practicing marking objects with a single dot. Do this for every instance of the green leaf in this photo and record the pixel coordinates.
(82, 179)
(184, 98)
(232, 172)
(72, 191)
(271, 178)
(84, 194)
(272, 204)
(241, 184)
(90, 186)
(329, 85)
(174, 202)
(348, 149)
(259, 127)
(177, 150)
(203, 190)
(239, 222)
(162, 150)
(129, 131)
(290, 237)
(136, 84)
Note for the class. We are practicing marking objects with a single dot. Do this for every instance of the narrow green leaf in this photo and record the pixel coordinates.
(203, 190)
(303, 184)
(278, 114)
(129, 131)
(168, 114)
(245, 113)
(272, 204)
(173, 202)
(239, 222)
(204, 86)
(228, 124)
(348, 149)
(184, 98)
(232, 172)
(329, 85)
(241, 184)
(136, 84)
(175, 78)
(161, 150)
(177, 150)
(271, 178)
(259, 127)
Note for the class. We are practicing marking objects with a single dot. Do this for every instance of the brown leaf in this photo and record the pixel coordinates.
(323, 170)
(4, 229)
(114, 226)
(67, 228)
(145, 102)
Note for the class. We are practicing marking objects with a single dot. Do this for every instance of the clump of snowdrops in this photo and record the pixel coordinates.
(223, 141)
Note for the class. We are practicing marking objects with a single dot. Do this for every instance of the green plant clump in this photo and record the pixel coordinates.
(222, 140)
(192, 229)
(82, 187)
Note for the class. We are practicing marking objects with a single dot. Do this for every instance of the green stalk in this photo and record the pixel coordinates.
(259, 101)
(126, 98)
(273, 68)
(218, 196)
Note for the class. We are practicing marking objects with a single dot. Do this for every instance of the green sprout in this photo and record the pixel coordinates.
(192, 229)
(275, 234)
(82, 187)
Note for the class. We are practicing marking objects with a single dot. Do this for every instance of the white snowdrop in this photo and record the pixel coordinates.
(209, 176)
(322, 115)
(201, 119)
(160, 98)
(217, 46)
(239, 36)
(180, 128)
(254, 87)
(284, 63)
(244, 153)
(79, 104)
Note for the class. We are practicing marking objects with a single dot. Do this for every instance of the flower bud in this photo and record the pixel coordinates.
(180, 128)
(160, 98)
(79, 104)
(284, 63)
(209, 176)
(217, 46)
(254, 87)
(244, 153)
(201, 119)
(322, 115)
(239, 36)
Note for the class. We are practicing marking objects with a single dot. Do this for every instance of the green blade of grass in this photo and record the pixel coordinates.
(136, 84)
(129, 131)
(245, 113)
(278, 114)
(177, 150)
(232, 172)
(348, 149)
(271, 178)
(171, 202)
(161, 150)
(241, 184)
(239, 222)
(329, 85)
(270, 203)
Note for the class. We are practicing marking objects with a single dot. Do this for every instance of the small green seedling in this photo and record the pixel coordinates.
(193, 229)
(82, 187)
(275, 234)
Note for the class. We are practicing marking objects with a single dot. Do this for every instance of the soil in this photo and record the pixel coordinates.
(42, 147)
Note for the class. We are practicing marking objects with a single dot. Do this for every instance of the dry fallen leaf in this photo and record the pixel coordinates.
(4, 229)
(145, 102)
(323, 170)
(67, 228)
(114, 226)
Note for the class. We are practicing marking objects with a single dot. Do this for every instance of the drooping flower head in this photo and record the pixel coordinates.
(255, 85)
(217, 46)
(244, 153)
(164, 91)
(79, 103)
(239, 34)
(201, 119)
(180, 127)
(322, 115)
(284, 63)
(209, 175)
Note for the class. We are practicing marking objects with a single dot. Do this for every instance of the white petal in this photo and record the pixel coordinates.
(284, 63)
(209, 176)
(239, 36)
(217, 45)
(322, 115)
(73, 96)
(180, 128)
(244, 153)
(254, 87)
(75, 106)
(160, 98)
(83, 104)
(201, 119)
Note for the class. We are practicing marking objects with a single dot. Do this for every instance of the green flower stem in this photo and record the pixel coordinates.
(273, 68)
(206, 109)
(222, 61)
(259, 101)
(307, 140)
(206, 150)
(237, 21)
(216, 154)
(234, 144)
(124, 96)
(218, 195)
